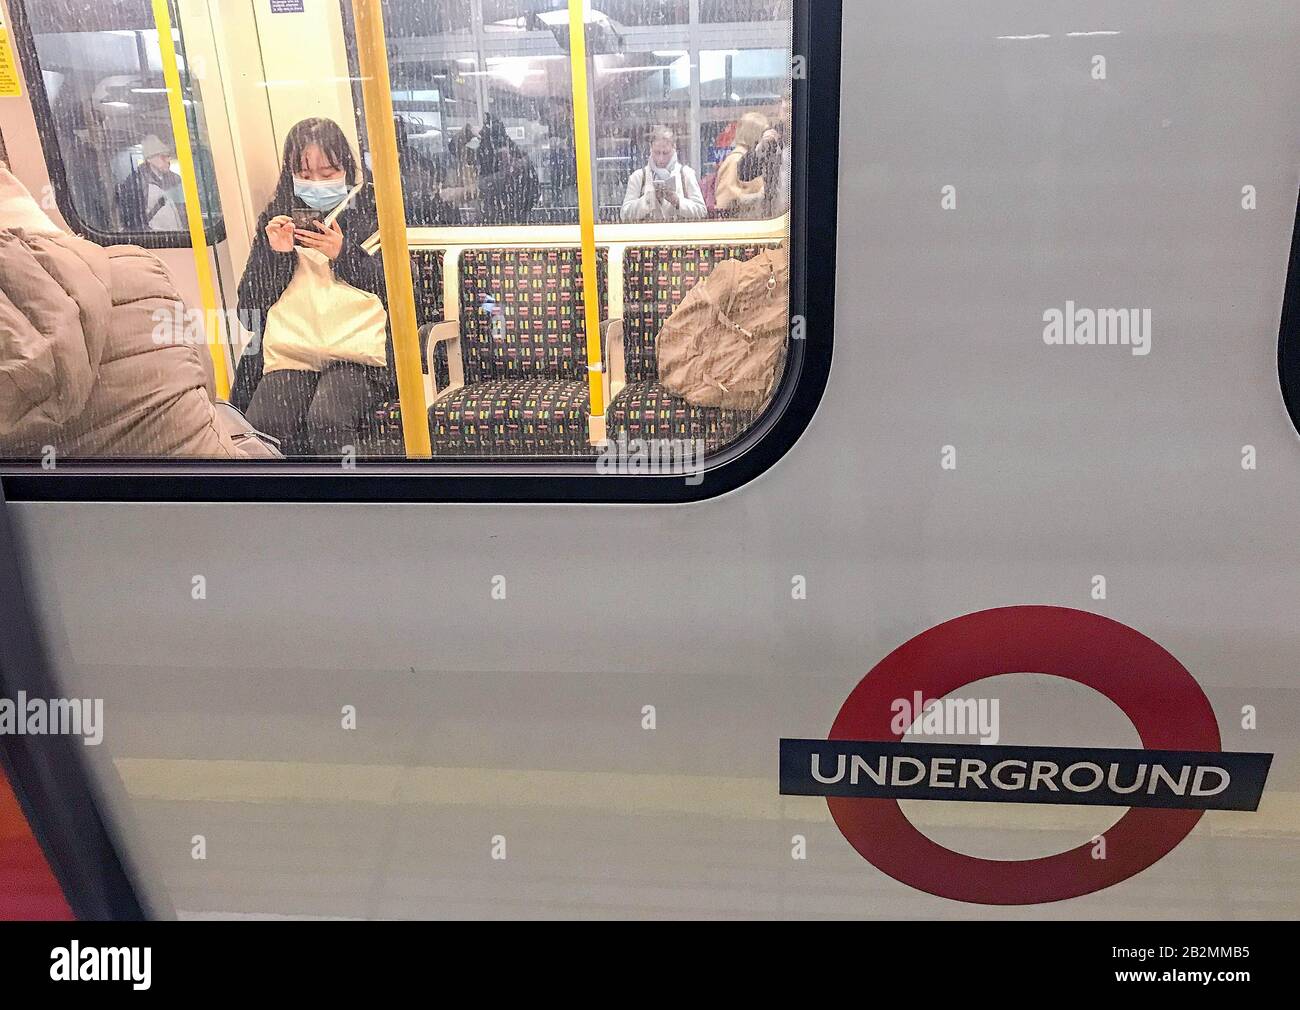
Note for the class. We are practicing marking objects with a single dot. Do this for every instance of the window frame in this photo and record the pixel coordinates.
(1288, 344)
(815, 190)
(49, 776)
(25, 42)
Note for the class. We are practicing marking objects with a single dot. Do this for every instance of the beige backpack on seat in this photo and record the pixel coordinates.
(725, 344)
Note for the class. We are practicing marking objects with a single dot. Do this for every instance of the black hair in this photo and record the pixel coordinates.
(330, 138)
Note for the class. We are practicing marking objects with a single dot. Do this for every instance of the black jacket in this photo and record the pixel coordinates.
(508, 187)
(507, 180)
(765, 161)
(268, 275)
(422, 182)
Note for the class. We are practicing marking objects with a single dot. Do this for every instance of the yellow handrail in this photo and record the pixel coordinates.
(193, 212)
(587, 216)
(377, 94)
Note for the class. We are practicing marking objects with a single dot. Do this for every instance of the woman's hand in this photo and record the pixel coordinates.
(325, 240)
(280, 232)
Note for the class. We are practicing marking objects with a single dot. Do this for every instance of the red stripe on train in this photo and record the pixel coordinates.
(28, 890)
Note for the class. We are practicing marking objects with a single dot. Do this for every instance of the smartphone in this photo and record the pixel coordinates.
(304, 218)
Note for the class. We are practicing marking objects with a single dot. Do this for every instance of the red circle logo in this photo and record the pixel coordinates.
(1155, 691)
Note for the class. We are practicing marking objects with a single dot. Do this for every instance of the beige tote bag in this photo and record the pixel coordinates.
(320, 320)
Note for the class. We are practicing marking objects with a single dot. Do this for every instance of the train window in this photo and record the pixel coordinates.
(1288, 357)
(629, 13)
(514, 14)
(743, 97)
(441, 107)
(96, 77)
(447, 87)
(639, 92)
(452, 93)
(744, 11)
(573, 230)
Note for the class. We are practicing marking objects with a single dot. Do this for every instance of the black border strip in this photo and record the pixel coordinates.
(25, 42)
(1288, 343)
(47, 773)
(812, 295)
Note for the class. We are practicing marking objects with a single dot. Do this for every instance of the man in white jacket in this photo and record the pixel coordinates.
(665, 190)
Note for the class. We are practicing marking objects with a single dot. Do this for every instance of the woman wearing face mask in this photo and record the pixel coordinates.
(321, 359)
(665, 190)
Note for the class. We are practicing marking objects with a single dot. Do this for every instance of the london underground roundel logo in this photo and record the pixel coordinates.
(1179, 773)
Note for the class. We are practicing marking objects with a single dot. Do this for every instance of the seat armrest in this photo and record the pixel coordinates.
(447, 332)
(615, 356)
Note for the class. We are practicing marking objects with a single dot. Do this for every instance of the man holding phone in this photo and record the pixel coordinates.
(665, 190)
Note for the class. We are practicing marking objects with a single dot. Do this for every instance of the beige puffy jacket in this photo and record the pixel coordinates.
(80, 370)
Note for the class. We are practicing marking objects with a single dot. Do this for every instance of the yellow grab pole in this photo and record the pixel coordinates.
(587, 214)
(377, 93)
(193, 212)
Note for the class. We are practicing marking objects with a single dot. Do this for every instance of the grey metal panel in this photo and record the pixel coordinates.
(522, 717)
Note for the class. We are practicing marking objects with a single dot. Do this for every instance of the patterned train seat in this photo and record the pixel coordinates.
(655, 280)
(384, 436)
(524, 352)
